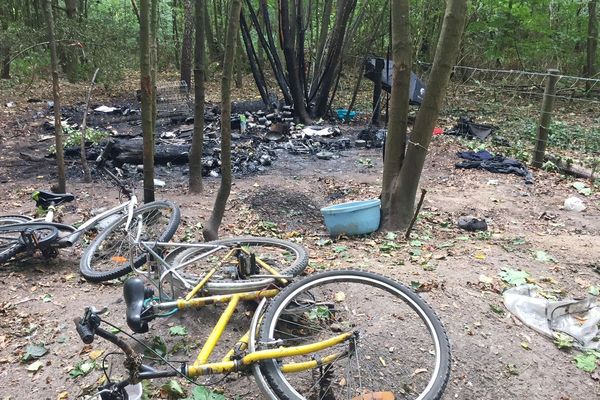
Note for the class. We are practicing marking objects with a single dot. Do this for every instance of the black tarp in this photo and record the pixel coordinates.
(416, 89)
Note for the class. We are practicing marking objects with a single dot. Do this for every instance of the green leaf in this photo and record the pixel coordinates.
(586, 361)
(47, 298)
(35, 366)
(178, 330)
(173, 388)
(202, 393)
(324, 242)
(340, 249)
(34, 351)
(497, 309)
(319, 313)
(159, 346)
(519, 241)
(415, 285)
(582, 188)
(514, 277)
(416, 243)
(391, 236)
(563, 341)
(541, 255)
(594, 291)
(82, 368)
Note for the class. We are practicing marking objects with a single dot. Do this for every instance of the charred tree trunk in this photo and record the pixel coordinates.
(288, 28)
(333, 57)
(60, 159)
(199, 74)
(186, 44)
(403, 183)
(211, 230)
(323, 33)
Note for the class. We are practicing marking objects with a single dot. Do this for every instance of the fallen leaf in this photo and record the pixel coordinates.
(95, 354)
(35, 366)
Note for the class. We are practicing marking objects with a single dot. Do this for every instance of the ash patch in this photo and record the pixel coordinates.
(292, 209)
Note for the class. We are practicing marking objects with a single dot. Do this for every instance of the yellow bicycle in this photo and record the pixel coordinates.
(342, 334)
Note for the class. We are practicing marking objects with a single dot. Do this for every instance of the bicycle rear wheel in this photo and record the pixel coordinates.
(240, 264)
(10, 243)
(38, 235)
(398, 348)
(109, 255)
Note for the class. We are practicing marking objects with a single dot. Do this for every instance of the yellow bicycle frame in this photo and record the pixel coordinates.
(202, 367)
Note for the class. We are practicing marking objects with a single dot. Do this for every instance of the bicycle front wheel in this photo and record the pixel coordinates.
(243, 264)
(398, 348)
(109, 255)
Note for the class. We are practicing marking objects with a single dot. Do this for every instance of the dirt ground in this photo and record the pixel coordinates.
(494, 355)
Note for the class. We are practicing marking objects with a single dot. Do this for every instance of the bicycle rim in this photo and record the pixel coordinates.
(10, 241)
(398, 350)
(238, 260)
(109, 255)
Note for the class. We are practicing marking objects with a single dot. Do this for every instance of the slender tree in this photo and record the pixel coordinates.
(592, 41)
(186, 45)
(402, 173)
(60, 159)
(195, 173)
(211, 230)
(147, 93)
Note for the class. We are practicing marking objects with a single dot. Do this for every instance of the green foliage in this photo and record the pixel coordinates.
(514, 277)
(73, 137)
(203, 393)
(587, 361)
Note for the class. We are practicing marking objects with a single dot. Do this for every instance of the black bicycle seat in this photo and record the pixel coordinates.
(46, 199)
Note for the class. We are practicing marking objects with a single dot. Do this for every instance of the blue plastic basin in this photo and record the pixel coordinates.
(341, 114)
(353, 218)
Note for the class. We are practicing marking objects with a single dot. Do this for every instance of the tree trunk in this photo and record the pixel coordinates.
(186, 44)
(323, 33)
(239, 63)
(333, 57)
(395, 145)
(399, 204)
(211, 230)
(592, 42)
(215, 50)
(87, 176)
(4, 48)
(147, 89)
(176, 43)
(60, 159)
(288, 33)
(195, 173)
(69, 54)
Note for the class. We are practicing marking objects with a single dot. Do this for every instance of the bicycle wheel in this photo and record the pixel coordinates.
(109, 255)
(241, 269)
(38, 235)
(398, 349)
(10, 243)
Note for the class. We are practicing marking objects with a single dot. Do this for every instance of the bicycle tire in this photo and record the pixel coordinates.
(387, 348)
(108, 255)
(11, 234)
(11, 245)
(219, 284)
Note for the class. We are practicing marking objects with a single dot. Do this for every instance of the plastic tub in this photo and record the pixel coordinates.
(352, 218)
(341, 114)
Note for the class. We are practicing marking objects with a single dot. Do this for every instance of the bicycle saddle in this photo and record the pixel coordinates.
(46, 199)
(135, 293)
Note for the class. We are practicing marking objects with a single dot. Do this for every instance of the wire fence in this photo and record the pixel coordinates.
(512, 101)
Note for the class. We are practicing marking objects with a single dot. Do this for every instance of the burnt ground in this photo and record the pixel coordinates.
(494, 355)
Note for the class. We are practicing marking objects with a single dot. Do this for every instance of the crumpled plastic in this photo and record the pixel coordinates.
(576, 318)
